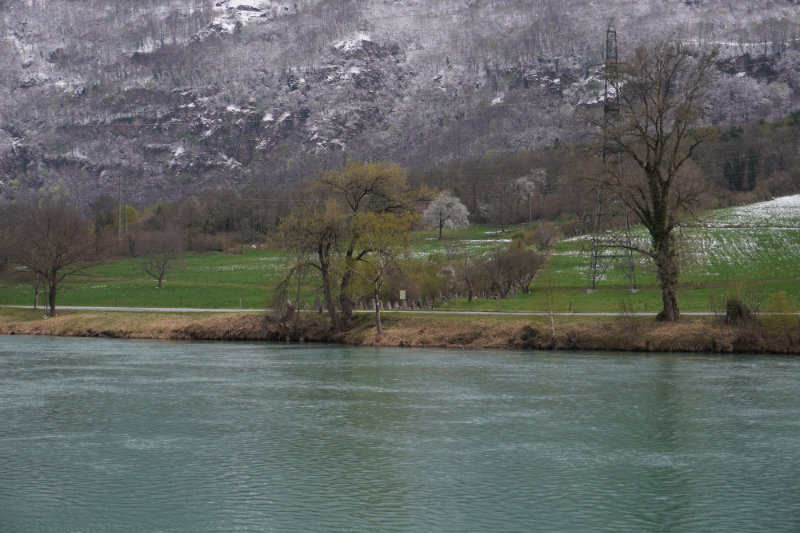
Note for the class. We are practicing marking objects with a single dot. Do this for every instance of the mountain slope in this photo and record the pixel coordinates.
(163, 98)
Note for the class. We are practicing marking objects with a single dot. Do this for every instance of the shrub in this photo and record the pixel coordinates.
(736, 311)
(778, 317)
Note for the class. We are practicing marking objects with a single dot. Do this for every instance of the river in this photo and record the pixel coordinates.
(100, 435)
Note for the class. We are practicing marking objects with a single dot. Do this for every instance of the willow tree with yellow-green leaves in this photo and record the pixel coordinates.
(387, 236)
(335, 227)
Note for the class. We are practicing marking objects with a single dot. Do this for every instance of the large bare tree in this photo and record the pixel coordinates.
(660, 92)
(53, 241)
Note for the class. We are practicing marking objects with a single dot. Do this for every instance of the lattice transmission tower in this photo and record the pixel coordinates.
(610, 210)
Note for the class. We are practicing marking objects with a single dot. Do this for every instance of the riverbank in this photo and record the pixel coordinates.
(623, 333)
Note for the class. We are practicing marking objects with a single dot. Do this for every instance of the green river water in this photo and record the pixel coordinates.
(101, 435)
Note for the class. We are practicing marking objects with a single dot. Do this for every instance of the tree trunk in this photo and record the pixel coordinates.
(326, 290)
(667, 269)
(297, 301)
(160, 278)
(378, 313)
(345, 302)
(670, 313)
(51, 298)
(324, 263)
(441, 224)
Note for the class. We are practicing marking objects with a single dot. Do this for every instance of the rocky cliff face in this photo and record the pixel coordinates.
(164, 98)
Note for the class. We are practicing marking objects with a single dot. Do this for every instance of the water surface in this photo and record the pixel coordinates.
(104, 436)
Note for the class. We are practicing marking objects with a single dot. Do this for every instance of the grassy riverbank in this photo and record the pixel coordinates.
(749, 253)
(627, 333)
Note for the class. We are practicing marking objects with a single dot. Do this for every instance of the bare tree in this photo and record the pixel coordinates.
(159, 252)
(53, 241)
(661, 93)
(446, 211)
(511, 270)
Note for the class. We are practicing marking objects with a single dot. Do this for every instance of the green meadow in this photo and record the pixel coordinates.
(214, 280)
(209, 280)
(750, 252)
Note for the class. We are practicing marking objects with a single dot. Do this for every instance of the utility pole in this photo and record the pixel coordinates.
(119, 207)
(122, 209)
(530, 206)
(607, 209)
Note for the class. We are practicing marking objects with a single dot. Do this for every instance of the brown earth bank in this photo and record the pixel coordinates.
(420, 331)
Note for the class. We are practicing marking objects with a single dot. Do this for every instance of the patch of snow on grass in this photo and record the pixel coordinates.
(230, 268)
(579, 238)
(780, 212)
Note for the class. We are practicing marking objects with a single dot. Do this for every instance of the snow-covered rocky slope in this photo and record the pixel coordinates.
(168, 97)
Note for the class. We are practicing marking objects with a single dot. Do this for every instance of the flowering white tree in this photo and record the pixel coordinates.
(525, 186)
(446, 211)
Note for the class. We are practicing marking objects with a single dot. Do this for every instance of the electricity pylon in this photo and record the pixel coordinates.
(610, 210)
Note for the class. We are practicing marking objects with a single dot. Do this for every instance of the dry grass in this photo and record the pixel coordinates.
(445, 332)
(644, 335)
(627, 334)
(141, 325)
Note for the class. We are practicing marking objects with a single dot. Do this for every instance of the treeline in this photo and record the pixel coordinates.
(211, 221)
(741, 165)
(348, 229)
(554, 184)
(44, 240)
(347, 233)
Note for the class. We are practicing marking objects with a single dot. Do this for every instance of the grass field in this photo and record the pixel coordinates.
(751, 251)
(212, 280)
